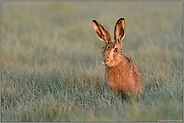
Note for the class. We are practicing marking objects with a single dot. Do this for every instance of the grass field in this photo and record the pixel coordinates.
(51, 61)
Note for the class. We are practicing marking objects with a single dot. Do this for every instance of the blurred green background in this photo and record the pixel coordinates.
(51, 61)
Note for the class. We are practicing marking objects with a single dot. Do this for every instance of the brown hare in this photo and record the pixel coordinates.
(122, 74)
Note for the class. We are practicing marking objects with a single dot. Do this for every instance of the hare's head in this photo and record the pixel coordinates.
(112, 53)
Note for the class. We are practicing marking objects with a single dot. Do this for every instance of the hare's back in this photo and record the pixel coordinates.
(135, 70)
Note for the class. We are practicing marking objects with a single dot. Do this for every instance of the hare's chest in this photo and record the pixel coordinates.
(118, 77)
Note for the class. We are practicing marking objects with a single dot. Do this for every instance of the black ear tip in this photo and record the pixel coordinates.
(94, 21)
(121, 19)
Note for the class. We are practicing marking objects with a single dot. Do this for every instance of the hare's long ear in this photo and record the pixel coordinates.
(101, 32)
(119, 31)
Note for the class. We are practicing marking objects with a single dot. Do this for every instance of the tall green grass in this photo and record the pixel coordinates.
(51, 61)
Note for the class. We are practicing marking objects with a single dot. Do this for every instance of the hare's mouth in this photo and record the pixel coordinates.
(111, 63)
(103, 63)
(108, 63)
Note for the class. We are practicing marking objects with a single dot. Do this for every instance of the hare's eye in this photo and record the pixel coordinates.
(115, 50)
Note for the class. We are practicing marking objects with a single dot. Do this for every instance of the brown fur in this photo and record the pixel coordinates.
(122, 74)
